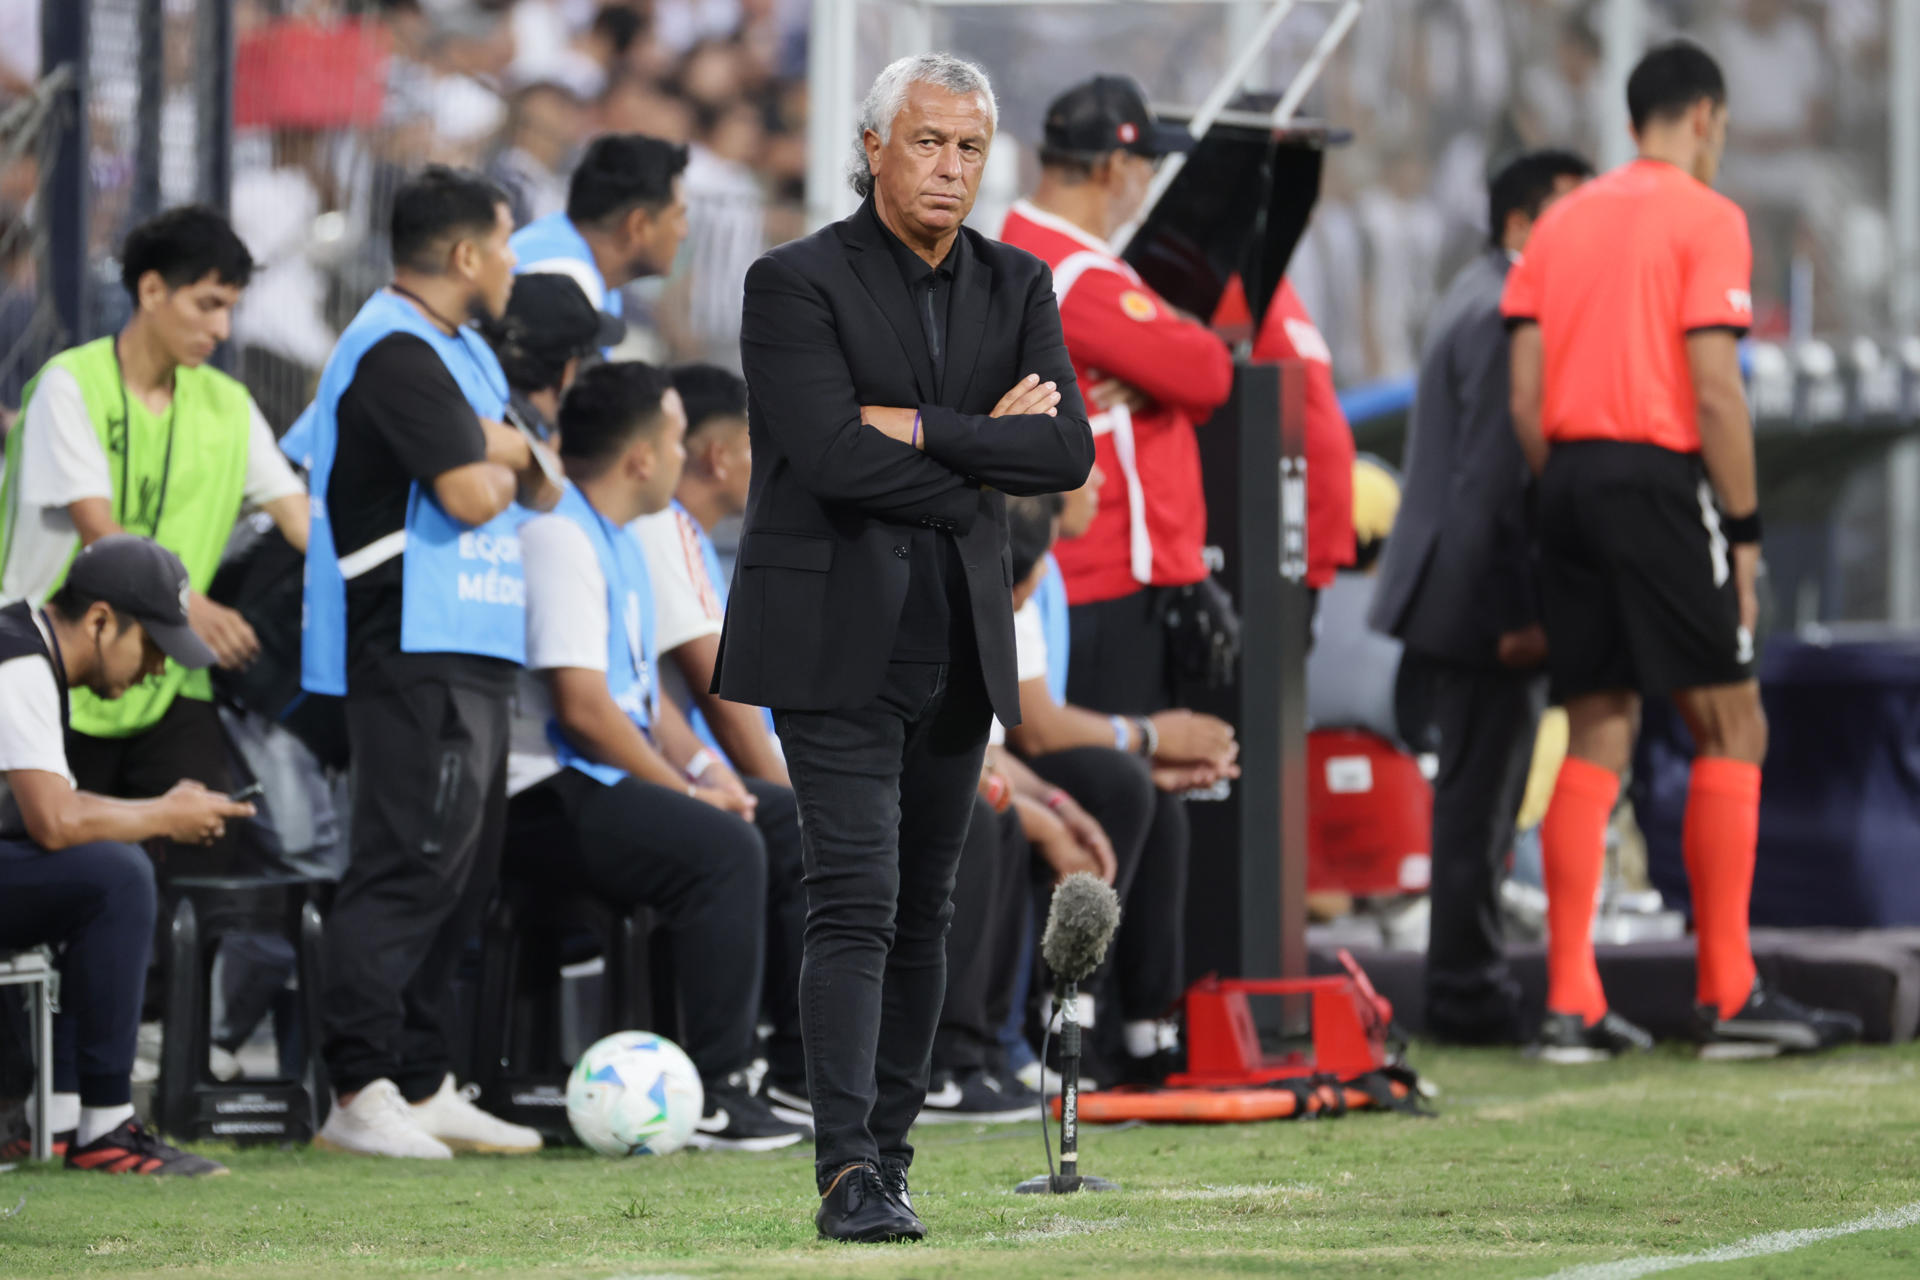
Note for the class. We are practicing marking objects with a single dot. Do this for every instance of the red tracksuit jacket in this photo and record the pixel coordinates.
(1153, 512)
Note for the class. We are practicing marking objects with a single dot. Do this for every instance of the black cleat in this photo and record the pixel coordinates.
(17, 1144)
(1566, 1039)
(134, 1148)
(788, 1100)
(1770, 1024)
(736, 1120)
(859, 1208)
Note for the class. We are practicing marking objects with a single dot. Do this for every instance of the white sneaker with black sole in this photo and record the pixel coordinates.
(378, 1122)
(450, 1116)
(979, 1098)
(736, 1120)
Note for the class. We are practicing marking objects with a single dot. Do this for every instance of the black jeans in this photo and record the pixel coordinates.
(886, 793)
(96, 901)
(702, 869)
(187, 742)
(990, 908)
(1482, 721)
(429, 814)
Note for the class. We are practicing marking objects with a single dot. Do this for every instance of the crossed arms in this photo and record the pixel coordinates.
(864, 456)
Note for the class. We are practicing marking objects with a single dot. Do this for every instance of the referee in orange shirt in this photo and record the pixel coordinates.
(1627, 309)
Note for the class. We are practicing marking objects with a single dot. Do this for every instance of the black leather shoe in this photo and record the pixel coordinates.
(893, 1176)
(859, 1208)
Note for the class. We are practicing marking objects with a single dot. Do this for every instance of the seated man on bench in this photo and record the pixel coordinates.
(71, 874)
(655, 818)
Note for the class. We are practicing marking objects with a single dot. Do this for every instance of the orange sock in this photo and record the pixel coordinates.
(1722, 827)
(1574, 849)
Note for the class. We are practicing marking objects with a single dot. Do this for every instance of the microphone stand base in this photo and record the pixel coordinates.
(1063, 1184)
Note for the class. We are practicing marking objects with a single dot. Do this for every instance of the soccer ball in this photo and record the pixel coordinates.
(634, 1094)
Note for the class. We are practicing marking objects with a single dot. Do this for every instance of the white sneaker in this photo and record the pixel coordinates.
(450, 1116)
(1045, 1080)
(379, 1123)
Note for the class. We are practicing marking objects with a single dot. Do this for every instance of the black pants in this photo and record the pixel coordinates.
(187, 742)
(886, 793)
(96, 901)
(1483, 720)
(1143, 975)
(990, 909)
(1120, 661)
(429, 811)
(704, 871)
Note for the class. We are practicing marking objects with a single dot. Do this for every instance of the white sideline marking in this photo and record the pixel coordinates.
(1752, 1247)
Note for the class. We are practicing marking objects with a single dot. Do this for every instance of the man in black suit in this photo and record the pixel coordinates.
(1456, 585)
(904, 373)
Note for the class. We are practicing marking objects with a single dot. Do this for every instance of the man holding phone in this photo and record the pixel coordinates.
(71, 872)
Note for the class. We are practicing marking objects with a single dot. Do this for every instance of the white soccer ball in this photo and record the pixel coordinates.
(634, 1094)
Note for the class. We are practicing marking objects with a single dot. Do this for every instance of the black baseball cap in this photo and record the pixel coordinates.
(554, 321)
(1110, 113)
(147, 582)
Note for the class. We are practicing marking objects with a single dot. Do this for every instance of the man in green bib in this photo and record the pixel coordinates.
(135, 433)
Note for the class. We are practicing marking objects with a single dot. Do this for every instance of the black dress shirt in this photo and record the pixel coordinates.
(935, 623)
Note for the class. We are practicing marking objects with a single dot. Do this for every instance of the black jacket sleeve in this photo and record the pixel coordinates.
(790, 352)
(1489, 454)
(1031, 453)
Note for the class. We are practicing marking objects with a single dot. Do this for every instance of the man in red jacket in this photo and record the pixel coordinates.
(1288, 333)
(1150, 375)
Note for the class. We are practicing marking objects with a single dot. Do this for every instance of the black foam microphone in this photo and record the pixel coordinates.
(1080, 927)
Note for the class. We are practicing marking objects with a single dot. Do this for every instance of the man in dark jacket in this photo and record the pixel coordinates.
(903, 373)
(1456, 585)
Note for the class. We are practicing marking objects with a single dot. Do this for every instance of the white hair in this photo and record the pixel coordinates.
(889, 94)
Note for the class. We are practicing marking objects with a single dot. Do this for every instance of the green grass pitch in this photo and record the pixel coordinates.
(1528, 1170)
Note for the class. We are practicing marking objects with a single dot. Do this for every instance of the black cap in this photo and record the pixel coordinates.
(1110, 113)
(144, 580)
(554, 321)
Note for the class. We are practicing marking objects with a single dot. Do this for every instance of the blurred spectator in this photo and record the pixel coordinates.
(1405, 231)
(636, 105)
(281, 321)
(1560, 101)
(546, 124)
(727, 223)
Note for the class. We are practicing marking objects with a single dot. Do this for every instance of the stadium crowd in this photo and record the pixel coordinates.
(508, 525)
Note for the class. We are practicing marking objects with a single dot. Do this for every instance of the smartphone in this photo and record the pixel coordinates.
(244, 794)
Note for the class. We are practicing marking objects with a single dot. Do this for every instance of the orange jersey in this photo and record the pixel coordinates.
(1617, 275)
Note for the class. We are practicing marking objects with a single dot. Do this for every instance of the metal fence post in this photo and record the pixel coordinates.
(64, 40)
(214, 108)
(152, 63)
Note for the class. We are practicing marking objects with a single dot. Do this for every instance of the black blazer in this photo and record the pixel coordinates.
(1458, 570)
(822, 569)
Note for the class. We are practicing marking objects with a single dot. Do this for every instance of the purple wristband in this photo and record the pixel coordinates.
(916, 429)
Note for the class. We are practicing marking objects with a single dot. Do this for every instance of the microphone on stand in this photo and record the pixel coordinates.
(1080, 927)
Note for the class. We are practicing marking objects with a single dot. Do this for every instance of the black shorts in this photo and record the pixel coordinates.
(1636, 576)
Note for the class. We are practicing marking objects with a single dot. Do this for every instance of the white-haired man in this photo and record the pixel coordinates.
(903, 373)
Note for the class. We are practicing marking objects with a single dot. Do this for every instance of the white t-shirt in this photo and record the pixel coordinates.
(684, 602)
(566, 627)
(30, 734)
(1029, 655)
(62, 462)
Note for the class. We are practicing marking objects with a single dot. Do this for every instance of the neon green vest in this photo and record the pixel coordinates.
(187, 504)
